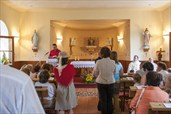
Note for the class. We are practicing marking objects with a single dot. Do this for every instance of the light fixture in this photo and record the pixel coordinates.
(165, 36)
(119, 38)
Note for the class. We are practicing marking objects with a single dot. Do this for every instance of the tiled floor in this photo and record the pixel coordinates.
(87, 104)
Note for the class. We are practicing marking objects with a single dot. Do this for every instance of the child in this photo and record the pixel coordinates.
(36, 71)
(137, 79)
(43, 81)
(26, 70)
(66, 98)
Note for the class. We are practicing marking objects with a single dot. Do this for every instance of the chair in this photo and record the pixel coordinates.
(42, 93)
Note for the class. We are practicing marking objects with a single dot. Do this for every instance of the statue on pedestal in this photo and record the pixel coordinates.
(147, 36)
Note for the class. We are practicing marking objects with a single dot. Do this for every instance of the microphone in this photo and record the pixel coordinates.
(46, 53)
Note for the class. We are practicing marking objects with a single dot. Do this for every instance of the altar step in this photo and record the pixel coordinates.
(79, 83)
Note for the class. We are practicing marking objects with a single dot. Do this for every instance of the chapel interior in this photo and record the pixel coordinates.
(118, 25)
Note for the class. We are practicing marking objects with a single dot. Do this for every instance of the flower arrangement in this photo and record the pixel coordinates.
(88, 77)
(4, 59)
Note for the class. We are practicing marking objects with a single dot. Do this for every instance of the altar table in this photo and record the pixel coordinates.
(81, 66)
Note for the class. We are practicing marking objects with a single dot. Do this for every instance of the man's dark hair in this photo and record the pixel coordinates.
(64, 61)
(36, 68)
(148, 66)
(46, 66)
(153, 78)
(54, 44)
(162, 65)
(105, 52)
(44, 76)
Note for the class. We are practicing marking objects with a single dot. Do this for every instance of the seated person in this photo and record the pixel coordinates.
(147, 66)
(36, 71)
(48, 67)
(141, 71)
(154, 64)
(43, 81)
(168, 84)
(55, 52)
(134, 65)
(162, 69)
(26, 70)
(152, 93)
(137, 79)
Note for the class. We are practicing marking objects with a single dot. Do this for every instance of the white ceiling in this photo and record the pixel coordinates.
(23, 5)
(120, 4)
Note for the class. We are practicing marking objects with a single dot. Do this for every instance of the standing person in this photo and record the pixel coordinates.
(98, 58)
(55, 52)
(104, 71)
(17, 93)
(134, 65)
(66, 95)
(118, 73)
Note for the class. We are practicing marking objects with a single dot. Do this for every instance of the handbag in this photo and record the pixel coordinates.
(134, 110)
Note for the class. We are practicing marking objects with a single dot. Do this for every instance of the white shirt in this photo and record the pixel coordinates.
(135, 65)
(164, 74)
(155, 66)
(104, 70)
(17, 93)
(51, 89)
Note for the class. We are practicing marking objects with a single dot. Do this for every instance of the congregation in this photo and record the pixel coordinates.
(62, 94)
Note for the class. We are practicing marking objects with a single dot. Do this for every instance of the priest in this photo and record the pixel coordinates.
(54, 52)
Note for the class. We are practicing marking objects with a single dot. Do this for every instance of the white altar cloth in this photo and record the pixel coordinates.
(83, 64)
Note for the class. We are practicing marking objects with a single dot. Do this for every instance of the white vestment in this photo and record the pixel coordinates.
(135, 65)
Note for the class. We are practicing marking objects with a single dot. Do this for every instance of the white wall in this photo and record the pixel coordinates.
(11, 17)
(166, 29)
(40, 20)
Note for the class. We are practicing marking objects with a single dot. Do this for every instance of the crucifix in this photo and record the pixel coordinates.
(160, 54)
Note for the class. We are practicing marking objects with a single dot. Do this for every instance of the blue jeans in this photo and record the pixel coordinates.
(106, 92)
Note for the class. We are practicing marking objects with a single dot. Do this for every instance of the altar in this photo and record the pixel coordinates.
(81, 66)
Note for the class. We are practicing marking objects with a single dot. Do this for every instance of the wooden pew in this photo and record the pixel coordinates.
(158, 108)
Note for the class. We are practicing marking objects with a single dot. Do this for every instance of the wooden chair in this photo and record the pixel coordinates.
(42, 93)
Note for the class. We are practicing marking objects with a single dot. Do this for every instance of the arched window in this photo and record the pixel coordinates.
(6, 45)
(4, 29)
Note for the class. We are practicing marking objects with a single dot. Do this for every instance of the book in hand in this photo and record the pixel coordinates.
(167, 105)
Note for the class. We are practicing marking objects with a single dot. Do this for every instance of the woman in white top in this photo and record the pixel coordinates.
(43, 81)
(104, 71)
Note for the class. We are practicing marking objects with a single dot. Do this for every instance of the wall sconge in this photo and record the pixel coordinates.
(72, 42)
(119, 38)
(59, 40)
(166, 36)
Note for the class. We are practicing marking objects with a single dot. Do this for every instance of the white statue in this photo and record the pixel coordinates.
(146, 38)
(35, 40)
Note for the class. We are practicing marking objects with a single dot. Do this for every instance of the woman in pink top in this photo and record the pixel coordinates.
(152, 93)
